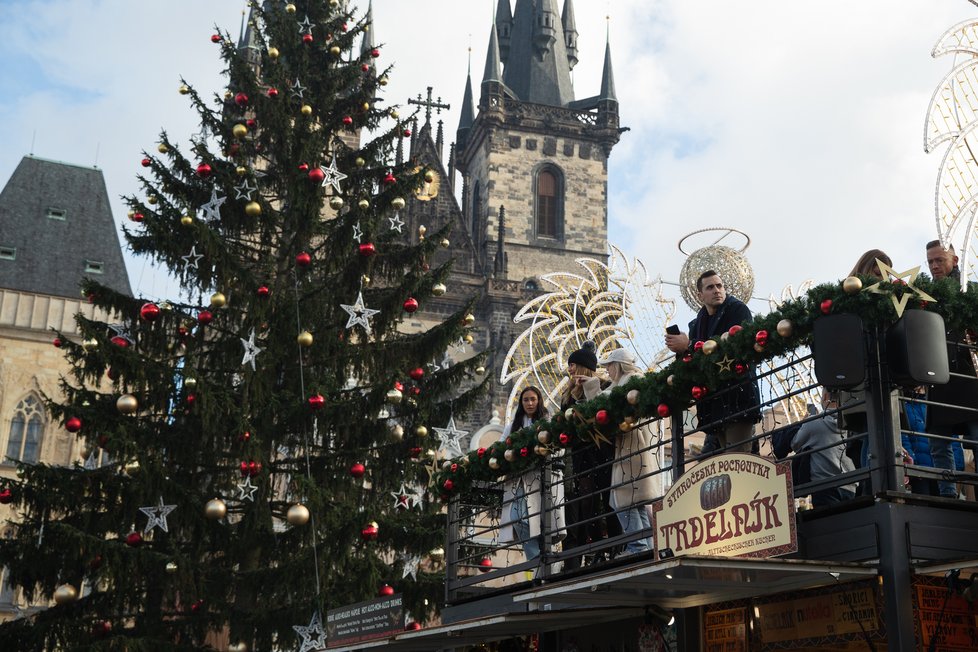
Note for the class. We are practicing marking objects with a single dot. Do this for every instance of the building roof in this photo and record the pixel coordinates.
(537, 68)
(56, 219)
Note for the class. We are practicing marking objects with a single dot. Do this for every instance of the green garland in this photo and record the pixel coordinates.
(671, 389)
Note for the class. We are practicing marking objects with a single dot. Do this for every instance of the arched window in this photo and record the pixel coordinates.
(26, 431)
(549, 202)
(476, 208)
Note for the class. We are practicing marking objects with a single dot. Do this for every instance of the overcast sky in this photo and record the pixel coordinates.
(798, 123)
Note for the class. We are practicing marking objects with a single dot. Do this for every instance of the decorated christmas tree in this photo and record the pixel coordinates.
(257, 448)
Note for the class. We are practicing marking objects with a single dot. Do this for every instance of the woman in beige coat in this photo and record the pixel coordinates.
(633, 475)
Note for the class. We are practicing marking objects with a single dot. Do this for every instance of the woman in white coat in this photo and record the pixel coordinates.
(522, 503)
(634, 480)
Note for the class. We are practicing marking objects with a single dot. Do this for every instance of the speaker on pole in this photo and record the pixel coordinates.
(840, 351)
(916, 349)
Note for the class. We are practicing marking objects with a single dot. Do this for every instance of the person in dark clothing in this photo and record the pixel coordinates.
(962, 389)
(735, 403)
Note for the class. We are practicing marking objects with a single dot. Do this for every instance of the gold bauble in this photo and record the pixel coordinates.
(437, 554)
(469, 319)
(252, 209)
(239, 131)
(383, 81)
(171, 567)
(186, 220)
(397, 203)
(218, 300)
(65, 593)
(540, 450)
(852, 285)
(359, 161)
(725, 336)
(420, 431)
(290, 8)
(228, 95)
(445, 243)
(304, 338)
(364, 204)
(786, 328)
(493, 463)
(569, 413)
(184, 89)
(394, 395)
(758, 347)
(422, 229)
(241, 170)
(395, 115)
(90, 344)
(298, 514)
(305, 109)
(625, 426)
(429, 176)
(446, 465)
(131, 468)
(669, 380)
(162, 148)
(127, 404)
(632, 397)
(509, 455)
(397, 432)
(438, 289)
(273, 53)
(468, 338)
(543, 437)
(151, 200)
(335, 202)
(215, 509)
(335, 50)
(190, 383)
(480, 370)
(709, 347)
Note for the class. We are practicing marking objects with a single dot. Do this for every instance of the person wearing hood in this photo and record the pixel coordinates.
(816, 438)
(635, 471)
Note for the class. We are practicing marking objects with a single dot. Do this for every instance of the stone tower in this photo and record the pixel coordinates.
(533, 163)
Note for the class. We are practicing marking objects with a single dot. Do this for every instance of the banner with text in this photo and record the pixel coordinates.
(364, 621)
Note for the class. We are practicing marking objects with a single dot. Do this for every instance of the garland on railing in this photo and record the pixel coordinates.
(658, 394)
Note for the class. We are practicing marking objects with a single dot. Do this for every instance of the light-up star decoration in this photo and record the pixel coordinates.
(246, 490)
(313, 636)
(212, 209)
(406, 498)
(411, 563)
(157, 516)
(305, 27)
(298, 89)
(333, 176)
(909, 290)
(396, 222)
(359, 313)
(251, 350)
(357, 232)
(244, 190)
(193, 258)
(123, 331)
(450, 437)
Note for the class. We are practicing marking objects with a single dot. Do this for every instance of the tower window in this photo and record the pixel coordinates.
(8, 253)
(94, 266)
(476, 209)
(549, 203)
(57, 213)
(26, 431)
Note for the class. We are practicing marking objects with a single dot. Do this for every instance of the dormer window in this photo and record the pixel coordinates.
(57, 213)
(94, 267)
(8, 253)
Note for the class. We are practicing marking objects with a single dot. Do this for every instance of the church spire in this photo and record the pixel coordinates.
(607, 75)
(467, 116)
(368, 44)
(537, 66)
(504, 27)
(493, 71)
(570, 32)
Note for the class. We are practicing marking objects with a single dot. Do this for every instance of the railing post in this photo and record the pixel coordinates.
(678, 446)
(451, 548)
(885, 459)
(546, 509)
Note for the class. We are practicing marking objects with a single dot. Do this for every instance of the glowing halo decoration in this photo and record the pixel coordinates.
(729, 263)
(613, 304)
(952, 117)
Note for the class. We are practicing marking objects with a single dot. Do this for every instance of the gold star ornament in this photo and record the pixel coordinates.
(892, 276)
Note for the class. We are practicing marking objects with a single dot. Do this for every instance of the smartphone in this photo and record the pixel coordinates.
(673, 330)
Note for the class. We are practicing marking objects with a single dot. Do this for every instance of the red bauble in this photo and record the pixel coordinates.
(204, 170)
(662, 410)
(307, 38)
(375, 53)
(367, 249)
(145, 162)
(410, 304)
(73, 424)
(358, 470)
(385, 591)
(347, 120)
(137, 217)
(254, 468)
(412, 627)
(303, 259)
(197, 606)
(57, 342)
(245, 436)
(687, 358)
(416, 391)
(415, 452)
(826, 306)
(448, 485)
(316, 402)
(119, 341)
(149, 312)
(251, 123)
(241, 99)
(244, 468)
(272, 92)
(365, 68)
(524, 451)
(698, 346)
(6, 497)
(601, 417)
(102, 628)
(760, 337)
(736, 328)
(564, 438)
(263, 291)
(453, 467)
(481, 452)
(485, 565)
(369, 532)
(698, 392)
(317, 175)
(398, 385)
(205, 317)
(389, 178)
(183, 331)
(740, 368)
(191, 399)
(417, 373)
(303, 167)
(215, 38)
(134, 539)
(407, 132)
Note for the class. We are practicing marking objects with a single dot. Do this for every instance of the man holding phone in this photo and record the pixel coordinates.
(732, 411)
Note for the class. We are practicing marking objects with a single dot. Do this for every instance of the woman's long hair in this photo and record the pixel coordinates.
(520, 413)
(866, 265)
(568, 397)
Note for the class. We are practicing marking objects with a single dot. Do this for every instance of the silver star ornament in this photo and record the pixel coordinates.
(359, 313)
(157, 516)
(251, 350)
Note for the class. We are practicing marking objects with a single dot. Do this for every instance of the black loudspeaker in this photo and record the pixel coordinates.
(916, 349)
(840, 351)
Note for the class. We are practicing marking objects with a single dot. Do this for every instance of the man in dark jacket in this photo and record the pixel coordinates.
(731, 413)
(962, 390)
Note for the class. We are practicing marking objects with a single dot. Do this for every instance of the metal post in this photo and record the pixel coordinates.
(678, 446)
(451, 549)
(897, 577)
(887, 470)
(546, 509)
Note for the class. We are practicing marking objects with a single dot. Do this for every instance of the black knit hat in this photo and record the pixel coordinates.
(585, 356)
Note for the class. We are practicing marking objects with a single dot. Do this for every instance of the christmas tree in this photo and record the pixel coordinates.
(257, 450)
